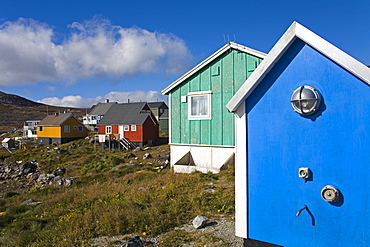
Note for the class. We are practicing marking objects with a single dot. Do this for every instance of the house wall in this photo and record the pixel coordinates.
(134, 136)
(73, 133)
(49, 132)
(334, 144)
(223, 77)
(151, 130)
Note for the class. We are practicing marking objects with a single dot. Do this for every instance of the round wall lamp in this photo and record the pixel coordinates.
(305, 100)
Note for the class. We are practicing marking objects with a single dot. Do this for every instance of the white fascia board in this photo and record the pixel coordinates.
(296, 30)
(210, 59)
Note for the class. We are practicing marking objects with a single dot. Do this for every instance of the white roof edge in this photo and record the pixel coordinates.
(296, 30)
(209, 59)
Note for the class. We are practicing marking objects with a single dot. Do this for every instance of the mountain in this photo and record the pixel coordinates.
(15, 110)
(11, 99)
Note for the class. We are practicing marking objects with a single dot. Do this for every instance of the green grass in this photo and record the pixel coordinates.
(133, 199)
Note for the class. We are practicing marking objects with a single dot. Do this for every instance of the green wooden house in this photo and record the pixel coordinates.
(201, 128)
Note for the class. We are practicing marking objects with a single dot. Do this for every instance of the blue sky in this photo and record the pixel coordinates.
(77, 53)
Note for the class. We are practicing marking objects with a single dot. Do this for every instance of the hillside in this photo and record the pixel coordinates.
(15, 110)
(113, 198)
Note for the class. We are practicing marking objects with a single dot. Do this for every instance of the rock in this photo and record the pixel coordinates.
(147, 148)
(57, 181)
(200, 221)
(61, 151)
(59, 172)
(210, 190)
(130, 155)
(137, 149)
(134, 242)
(27, 167)
(33, 176)
(30, 202)
(68, 181)
(162, 159)
(147, 156)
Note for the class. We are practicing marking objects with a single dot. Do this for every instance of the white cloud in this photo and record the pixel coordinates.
(77, 101)
(94, 48)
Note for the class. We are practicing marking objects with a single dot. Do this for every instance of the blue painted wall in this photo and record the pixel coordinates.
(334, 144)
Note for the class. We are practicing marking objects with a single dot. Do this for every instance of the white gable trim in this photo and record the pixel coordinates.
(296, 30)
(210, 59)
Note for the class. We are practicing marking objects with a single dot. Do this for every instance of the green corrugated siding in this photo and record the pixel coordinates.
(223, 77)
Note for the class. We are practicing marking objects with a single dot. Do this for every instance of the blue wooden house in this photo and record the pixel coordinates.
(303, 146)
(201, 131)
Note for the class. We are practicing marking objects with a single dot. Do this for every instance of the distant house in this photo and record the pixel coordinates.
(97, 112)
(133, 122)
(60, 128)
(201, 128)
(160, 111)
(8, 143)
(30, 127)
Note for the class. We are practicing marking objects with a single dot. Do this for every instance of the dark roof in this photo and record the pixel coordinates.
(157, 104)
(101, 108)
(55, 120)
(127, 113)
(164, 114)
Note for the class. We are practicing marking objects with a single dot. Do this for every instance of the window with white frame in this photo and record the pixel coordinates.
(67, 129)
(108, 129)
(126, 128)
(199, 107)
(133, 127)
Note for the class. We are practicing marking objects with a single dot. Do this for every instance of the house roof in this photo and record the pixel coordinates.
(55, 120)
(127, 113)
(101, 108)
(164, 115)
(208, 60)
(297, 31)
(157, 104)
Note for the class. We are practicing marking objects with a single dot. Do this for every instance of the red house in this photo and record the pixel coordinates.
(132, 122)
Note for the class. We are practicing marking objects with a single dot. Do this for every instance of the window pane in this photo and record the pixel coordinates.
(199, 105)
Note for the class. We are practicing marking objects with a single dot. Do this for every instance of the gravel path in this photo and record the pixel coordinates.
(221, 231)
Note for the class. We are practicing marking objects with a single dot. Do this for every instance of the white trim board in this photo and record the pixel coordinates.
(295, 31)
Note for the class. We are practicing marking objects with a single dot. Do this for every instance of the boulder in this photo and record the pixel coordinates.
(27, 167)
(130, 155)
(200, 221)
(147, 156)
(162, 159)
(59, 172)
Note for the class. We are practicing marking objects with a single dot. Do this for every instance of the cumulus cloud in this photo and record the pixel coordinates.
(77, 101)
(28, 53)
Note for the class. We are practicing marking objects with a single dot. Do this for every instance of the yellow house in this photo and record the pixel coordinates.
(60, 128)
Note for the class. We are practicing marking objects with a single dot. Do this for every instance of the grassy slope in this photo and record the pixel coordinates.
(14, 116)
(133, 199)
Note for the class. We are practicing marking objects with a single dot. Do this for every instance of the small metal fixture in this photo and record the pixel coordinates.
(305, 100)
(330, 194)
(304, 172)
(300, 210)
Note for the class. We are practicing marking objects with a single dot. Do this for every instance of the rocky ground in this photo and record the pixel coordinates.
(221, 231)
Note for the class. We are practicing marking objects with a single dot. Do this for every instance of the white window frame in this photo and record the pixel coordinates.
(191, 95)
(126, 127)
(133, 127)
(67, 129)
(108, 129)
